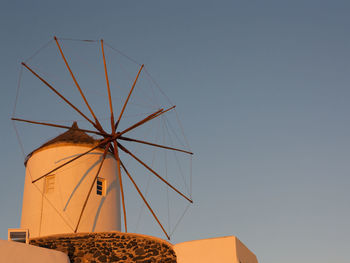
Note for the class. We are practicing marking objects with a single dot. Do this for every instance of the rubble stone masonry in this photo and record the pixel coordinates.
(109, 247)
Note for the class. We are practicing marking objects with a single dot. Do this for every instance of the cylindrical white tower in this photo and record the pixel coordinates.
(53, 204)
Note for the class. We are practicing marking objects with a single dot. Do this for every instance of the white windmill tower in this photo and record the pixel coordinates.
(53, 204)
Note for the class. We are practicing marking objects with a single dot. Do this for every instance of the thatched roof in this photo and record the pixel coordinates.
(72, 135)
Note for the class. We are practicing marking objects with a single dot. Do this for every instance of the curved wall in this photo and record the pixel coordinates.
(53, 206)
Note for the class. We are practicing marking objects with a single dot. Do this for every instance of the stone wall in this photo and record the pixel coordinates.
(109, 247)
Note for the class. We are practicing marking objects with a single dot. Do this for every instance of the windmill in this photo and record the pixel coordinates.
(107, 147)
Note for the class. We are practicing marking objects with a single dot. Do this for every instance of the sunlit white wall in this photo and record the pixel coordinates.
(56, 209)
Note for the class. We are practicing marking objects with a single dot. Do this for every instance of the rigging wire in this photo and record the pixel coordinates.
(76, 39)
(166, 173)
(164, 94)
(154, 97)
(157, 85)
(121, 53)
(20, 144)
(182, 131)
(131, 77)
(84, 61)
(149, 177)
(180, 219)
(189, 191)
(38, 51)
(191, 157)
(177, 160)
(176, 135)
(17, 92)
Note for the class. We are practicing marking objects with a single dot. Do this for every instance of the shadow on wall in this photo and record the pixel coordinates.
(82, 178)
(114, 184)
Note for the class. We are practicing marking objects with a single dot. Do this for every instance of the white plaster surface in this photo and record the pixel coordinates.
(57, 212)
(14, 252)
(222, 249)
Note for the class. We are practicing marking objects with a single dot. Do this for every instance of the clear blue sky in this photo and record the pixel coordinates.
(263, 91)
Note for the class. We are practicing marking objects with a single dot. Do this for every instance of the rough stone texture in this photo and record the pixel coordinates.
(109, 247)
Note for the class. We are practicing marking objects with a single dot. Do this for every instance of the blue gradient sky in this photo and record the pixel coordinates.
(262, 88)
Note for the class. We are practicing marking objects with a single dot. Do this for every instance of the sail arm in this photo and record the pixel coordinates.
(144, 199)
(59, 126)
(58, 94)
(153, 172)
(127, 99)
(153, 144)
(98, 125)
(116, 155)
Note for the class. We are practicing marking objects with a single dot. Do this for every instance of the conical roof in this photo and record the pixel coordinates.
(72, 135)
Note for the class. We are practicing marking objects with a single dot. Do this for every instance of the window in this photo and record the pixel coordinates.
(49, 183)
(18, 235)
(101, 186)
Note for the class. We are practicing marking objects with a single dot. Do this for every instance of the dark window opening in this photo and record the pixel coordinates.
(101, 186)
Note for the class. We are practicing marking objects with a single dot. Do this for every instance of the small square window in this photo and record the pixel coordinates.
(49, 183)
(101, 186)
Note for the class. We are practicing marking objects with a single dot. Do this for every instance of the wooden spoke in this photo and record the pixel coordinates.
(160, 113)
(144, 199)
(152, 171)
(72, 160)
(149, 117)
(109, 90)
(153, 144)
(116, 155)
(92, 185)
(127, 99)
(59, 94)
(60, 126)
(77, 85)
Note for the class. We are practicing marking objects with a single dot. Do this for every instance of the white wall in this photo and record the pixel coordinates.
(58, 211)
(14, 252)
(223, 249)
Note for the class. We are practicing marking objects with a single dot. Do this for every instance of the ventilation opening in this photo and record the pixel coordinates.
(49, 183)
(101, 186)
(18, 235)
